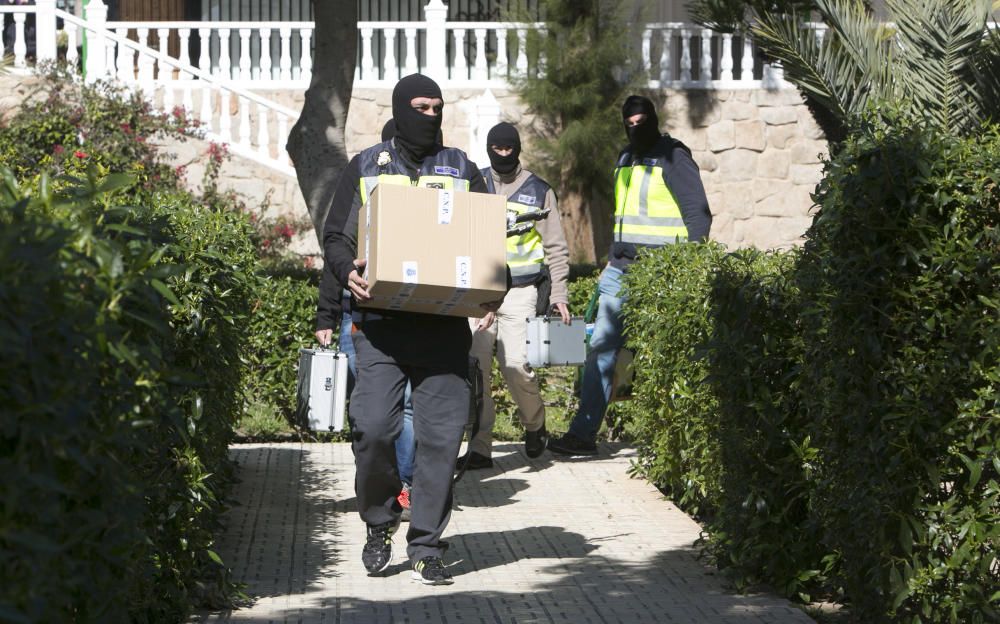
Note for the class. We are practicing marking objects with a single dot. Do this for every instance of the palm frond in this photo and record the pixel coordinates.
(724, 16)
(937, 44)
(855, 33)
(826, 73)
(986, 72)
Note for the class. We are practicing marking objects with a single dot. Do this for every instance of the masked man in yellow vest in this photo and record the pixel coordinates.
(540, 254)
(392, 347)
(659, 200)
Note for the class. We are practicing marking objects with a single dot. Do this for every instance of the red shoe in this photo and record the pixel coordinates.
(404, 501)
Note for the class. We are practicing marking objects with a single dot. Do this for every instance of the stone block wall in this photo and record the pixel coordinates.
(760, 156)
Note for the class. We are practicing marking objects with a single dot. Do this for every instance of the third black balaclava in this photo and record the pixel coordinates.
(645, 135)
(504, 134)
(416, 133)
(388, 130)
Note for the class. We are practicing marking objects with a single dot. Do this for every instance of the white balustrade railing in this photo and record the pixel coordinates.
(210, 69)
(173, 86)
(475, 54)
(260, 55)
(681, 55)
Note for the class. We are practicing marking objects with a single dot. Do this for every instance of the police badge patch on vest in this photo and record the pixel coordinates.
(445, 170)
(384, 158)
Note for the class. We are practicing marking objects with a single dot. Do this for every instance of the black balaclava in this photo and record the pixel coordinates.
(416, 133)
(504, 134)
(645, 135)
(388, 130)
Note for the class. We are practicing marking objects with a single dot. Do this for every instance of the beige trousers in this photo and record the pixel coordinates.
(509, 333)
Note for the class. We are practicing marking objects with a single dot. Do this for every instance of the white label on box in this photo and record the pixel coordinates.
(410, 281)
(463, 272)
(446, 204)
(463, 282)
(410, 275)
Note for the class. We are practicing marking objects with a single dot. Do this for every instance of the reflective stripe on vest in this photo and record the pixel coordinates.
(525, 253)
(646, 211)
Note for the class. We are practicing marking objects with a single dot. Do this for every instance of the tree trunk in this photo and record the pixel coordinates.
(316, 143)
(586, 221)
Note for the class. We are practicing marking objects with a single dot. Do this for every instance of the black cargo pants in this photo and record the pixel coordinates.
(435, 363)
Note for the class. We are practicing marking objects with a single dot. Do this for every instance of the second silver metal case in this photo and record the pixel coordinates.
(554, 343)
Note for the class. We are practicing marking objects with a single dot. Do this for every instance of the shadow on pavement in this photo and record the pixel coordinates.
(288, 529)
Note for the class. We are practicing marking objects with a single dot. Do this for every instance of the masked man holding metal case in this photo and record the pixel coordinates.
(392, 347)
(539, 254)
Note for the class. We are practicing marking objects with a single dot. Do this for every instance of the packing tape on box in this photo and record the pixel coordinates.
(411, 277)
(446, 207)
(463, 281)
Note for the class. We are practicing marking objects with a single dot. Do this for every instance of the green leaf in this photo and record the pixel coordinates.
(114, 182)
(164, 290)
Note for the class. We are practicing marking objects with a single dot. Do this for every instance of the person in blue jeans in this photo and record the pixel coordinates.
(659, 200)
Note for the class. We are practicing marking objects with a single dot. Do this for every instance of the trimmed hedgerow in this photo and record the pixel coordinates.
(125, 300)
(764, 528)
(900, 278)
(120, 380)
(833, 412)
(673, 417)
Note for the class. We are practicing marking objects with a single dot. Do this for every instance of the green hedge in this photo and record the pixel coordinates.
(673, 418)
(901, 284)
(125, 301)
(832, 412)
(120, 379)
(283, 320)
(764, 528)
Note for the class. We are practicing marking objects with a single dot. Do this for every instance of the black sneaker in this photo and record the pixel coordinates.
(476, 461)
(431, 571)
(377, 553)
(535, 441)
(569, 444)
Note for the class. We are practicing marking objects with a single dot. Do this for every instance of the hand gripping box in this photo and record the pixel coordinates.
(553, 343)
(322, 389)
(433, 251)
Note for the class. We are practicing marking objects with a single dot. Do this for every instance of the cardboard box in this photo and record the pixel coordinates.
(433, 251)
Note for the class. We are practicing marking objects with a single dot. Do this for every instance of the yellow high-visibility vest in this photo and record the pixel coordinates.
(525, 253)
(646, 211)
(380, 164)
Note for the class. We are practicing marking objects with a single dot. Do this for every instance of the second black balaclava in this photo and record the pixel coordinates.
(416, 133)
(504, 134)
(645, 135)
(388, 130)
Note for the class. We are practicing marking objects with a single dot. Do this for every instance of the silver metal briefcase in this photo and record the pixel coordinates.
(553, 343)
(322, 389)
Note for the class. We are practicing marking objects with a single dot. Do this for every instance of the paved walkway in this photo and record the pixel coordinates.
(567, 541)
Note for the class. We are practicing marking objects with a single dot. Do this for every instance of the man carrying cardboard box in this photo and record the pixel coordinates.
(393, 347)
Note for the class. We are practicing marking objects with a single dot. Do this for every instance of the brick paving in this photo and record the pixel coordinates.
(544, 540)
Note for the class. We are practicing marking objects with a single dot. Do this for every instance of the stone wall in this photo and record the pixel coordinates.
(760, 156)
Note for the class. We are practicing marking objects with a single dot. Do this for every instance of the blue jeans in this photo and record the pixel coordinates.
(406, 443)
(599, 368)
